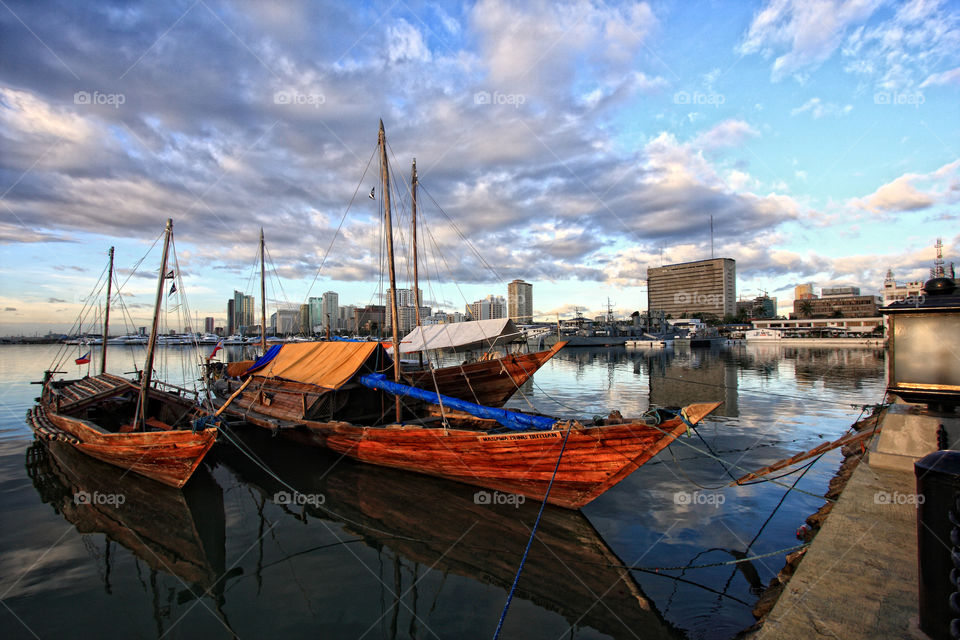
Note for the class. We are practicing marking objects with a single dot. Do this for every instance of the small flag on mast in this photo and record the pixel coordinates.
(173, 288)
(84, 359)
(215, 349)
(371, 196)
(169, 275)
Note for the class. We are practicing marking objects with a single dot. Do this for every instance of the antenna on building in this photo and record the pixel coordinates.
(937, 271)
(711, 236)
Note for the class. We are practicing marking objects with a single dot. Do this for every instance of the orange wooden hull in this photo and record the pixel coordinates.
(594, 459)
(162, 453)
(169, 457)
(488, 382)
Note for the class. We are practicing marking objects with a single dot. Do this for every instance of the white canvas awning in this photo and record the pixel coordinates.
(460, 335)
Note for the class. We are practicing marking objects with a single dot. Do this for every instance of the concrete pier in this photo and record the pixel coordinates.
(859, 577)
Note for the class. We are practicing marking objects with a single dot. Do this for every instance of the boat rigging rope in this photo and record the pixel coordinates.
(336, 233)
(533, 533)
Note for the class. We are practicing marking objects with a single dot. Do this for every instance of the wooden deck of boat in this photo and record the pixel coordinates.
(79, 393)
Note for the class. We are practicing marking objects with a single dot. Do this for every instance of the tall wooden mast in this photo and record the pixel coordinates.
(416, 276)
(413, 215)
(385, 185)
(263, 297)
(106, 317)
(154, 329)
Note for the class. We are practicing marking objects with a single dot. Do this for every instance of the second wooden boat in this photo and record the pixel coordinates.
(132, 425)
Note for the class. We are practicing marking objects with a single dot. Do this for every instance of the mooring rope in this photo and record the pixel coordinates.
(533, 533)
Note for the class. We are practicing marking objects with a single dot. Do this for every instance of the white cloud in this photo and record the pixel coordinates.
(912, 191)
(943, 78)
(539, 47)
(818, 109)
(405, 43)
(898, 52)
(729, 133)
(809, 31)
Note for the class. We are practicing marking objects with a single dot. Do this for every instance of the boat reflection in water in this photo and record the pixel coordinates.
(180, 532)
(453, 528)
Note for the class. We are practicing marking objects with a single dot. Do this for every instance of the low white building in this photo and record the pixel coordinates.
(894, 292)
(850, 325)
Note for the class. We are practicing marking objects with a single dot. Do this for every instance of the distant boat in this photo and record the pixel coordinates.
(128, 424)
(129, 339)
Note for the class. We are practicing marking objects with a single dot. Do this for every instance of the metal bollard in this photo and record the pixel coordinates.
(938, 543)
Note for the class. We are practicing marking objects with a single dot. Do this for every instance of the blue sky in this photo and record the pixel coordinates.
(573, 144)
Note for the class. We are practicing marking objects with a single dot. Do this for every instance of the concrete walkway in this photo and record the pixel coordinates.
(859, 578)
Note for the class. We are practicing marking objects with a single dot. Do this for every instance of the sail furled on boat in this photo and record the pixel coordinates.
(460, 335)
(325, 364)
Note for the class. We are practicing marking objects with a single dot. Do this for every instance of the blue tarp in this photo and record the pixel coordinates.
(509, 419)
(265, 359)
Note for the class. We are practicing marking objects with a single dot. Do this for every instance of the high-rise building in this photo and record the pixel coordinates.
(208, 324)
(803, 292)
(406, 307)
(231, 317)
(404, 298)
(347, 319)
(316, 313)
(285, 321)
(489, 308)
(329, 310)
(370, 319)
(243, 309)
(304, 327)
(839, 292)
(760, 307)
(520, 301)
(682, 290)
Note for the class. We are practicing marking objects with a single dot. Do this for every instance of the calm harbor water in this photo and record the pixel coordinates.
(363, 552)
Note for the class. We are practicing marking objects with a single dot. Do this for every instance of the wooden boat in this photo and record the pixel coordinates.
(490, 380)
(131, 425)
(451, 529)
(336, 395)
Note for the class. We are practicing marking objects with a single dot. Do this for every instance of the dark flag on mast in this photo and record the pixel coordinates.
(371, 196)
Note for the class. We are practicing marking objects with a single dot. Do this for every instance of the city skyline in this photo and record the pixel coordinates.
(575, 145)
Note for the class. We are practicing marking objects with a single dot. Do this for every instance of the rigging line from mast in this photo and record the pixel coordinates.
(336, 233)
(61, 355)
(453, 224)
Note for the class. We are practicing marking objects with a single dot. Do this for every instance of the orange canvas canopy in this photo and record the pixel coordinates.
(326, 364)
